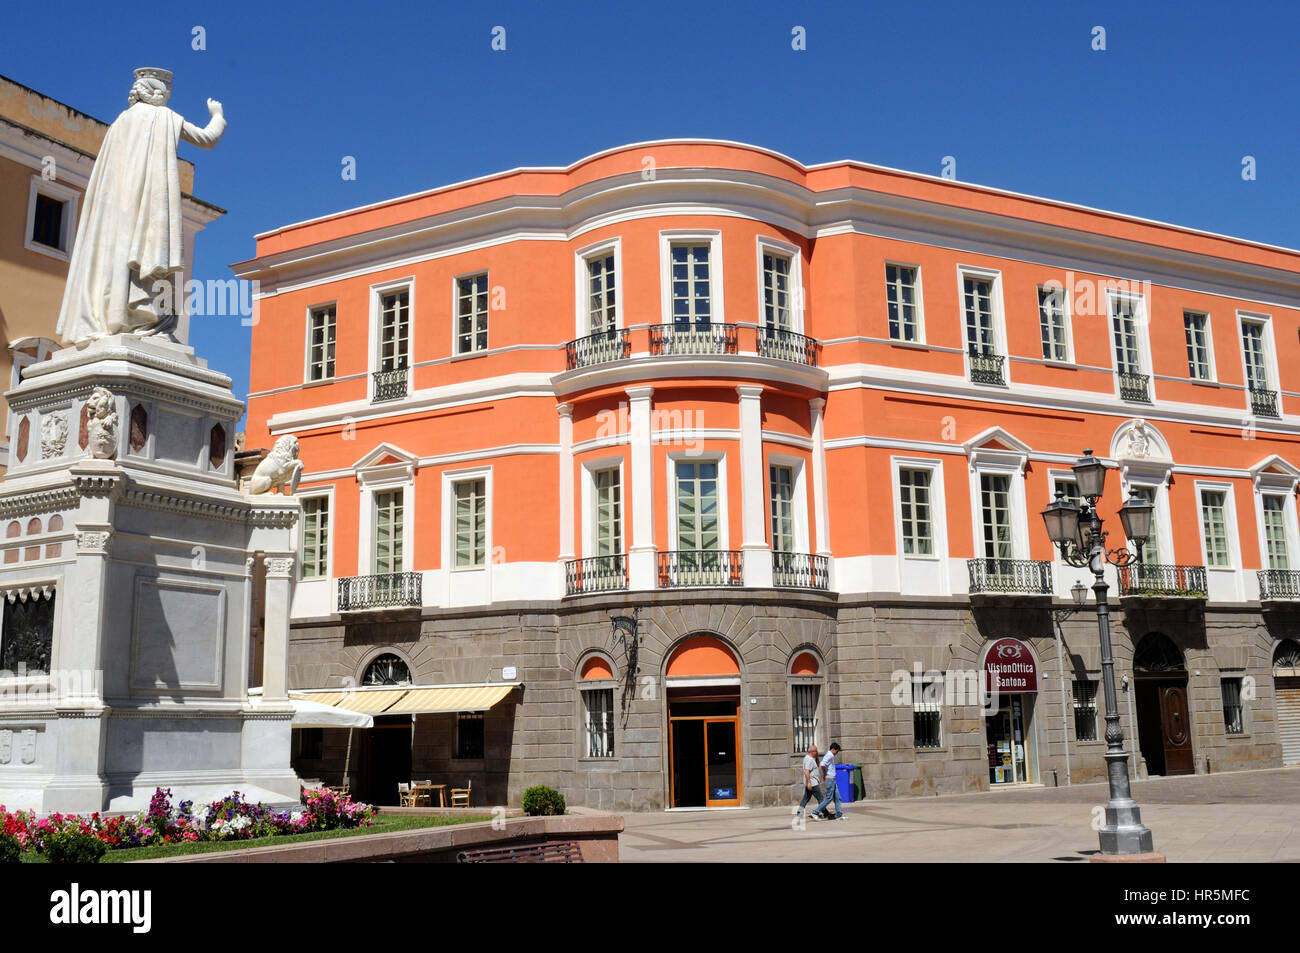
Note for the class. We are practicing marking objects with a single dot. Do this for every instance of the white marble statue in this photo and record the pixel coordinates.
(1139, 441)
(101, 424)
(129, 251)
(280, 469)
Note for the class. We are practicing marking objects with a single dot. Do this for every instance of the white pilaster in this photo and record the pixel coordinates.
(642, 553)
(821, 519)
(753, 499)
(275, 654)
(567, 524)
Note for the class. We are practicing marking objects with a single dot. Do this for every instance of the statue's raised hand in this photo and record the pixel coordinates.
(214, 108)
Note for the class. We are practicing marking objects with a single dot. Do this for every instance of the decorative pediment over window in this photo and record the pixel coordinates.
(386, 462)
(1275, 473)
(1142, 452)
(996, 447)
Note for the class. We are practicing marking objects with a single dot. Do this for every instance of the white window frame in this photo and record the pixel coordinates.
(686, 456)
(1067, 314)
(1017, 503)
(775, 246)
(1209, 344)
(1283, 485)
(589, 471)
(920, 304)
(938, 514)
(798, 498)
(449, 479)
(377, 292)
(671, 237)
(327, 494)
(1229, 524)
(1142, 327)
(306, 367)
(70, 198)
(383, 479)
(582, 288)
(457, 354)
(998, 316)
(1270, 351)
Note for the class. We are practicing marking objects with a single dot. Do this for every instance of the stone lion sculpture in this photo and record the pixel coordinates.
(280, 469)
(101, 424)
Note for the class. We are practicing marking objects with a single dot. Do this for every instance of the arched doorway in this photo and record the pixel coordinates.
(705, 745)
(1286, 683)
(385, 756)
(1164, 723)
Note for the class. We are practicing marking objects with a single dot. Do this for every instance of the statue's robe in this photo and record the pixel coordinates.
(130, 233)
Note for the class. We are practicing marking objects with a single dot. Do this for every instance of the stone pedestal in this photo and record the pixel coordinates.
(125, 555)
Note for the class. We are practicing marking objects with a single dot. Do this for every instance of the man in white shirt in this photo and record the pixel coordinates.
(832, 790)
(812, 789)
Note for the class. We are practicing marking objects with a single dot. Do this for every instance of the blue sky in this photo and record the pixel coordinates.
(1155, 125)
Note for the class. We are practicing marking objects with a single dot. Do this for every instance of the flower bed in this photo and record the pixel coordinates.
(70, 838)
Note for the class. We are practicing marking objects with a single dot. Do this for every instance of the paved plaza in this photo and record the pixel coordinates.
(1247, 816)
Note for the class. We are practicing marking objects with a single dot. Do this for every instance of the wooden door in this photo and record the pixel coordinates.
(1177, 729)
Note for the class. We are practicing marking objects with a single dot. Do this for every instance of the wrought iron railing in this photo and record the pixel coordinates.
(666, 339)
(595, 574)
(1010, 576)
(784, 345)
(383, 591)
(800, 571)
(684, 568)
(1135, 387)
(1154, 579)
(599, 348)
(1278, 584)
(390, 385)
(1263, 403)
(986, 368)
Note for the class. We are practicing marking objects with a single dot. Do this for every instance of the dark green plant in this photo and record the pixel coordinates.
(70, 845)
(10, 850)
(540, 801)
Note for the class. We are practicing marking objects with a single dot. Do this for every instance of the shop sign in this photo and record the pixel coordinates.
(1009, 667)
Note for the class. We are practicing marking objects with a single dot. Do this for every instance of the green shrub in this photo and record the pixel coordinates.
(72, 846)
(539, 800)
(10, 850)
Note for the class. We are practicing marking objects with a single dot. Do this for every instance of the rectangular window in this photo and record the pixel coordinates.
(1067, 488)
(914, 504)
(1252, 353)
(1275, 531)
(609, 512)
(1124, 324)
(1151, 546)
(1085, 710)
(978, 303)
(320, 344)
(472, 314)
(315, 536)
(388, 532)
(47, 223)
(927, 702)
(601, 297)
(901, 298)
(469, 735)
(1051, 318)
(1196, 326)
(471, 523)
(776, 291)
(599, 704)
(1215, 524)
(394, 329)
(803, 704)
(698, 525)
(691, 286)
(995, 508)
(781, 491)
(1232, 721)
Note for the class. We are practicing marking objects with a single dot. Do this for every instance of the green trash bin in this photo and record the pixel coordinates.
(859, 789)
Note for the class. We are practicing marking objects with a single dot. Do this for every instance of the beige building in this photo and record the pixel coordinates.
(47, 150)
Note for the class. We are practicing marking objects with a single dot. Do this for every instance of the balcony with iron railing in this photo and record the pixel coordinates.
(1278, 585)
(390, 385)
(694, 338)
(1154, 580)
(781, 344)
(394, 590)
(990, 576)
(603, 347)
(695, 568)
(800, 571)
(595, 574)
(1263, 403)
(987, 368)
(1135, 387)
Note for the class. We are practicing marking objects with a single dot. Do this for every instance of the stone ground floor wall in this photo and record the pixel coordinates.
(868, 651)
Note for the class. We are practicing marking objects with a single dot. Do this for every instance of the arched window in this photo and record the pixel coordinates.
(702, 655)
(806, 681)
(1156, 653)
(1286, 658)
(387, 670)
(596, 688)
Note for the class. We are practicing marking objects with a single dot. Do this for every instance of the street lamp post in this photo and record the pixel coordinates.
(1076, 531)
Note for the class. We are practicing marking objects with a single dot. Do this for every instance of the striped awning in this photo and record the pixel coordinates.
(412, 699)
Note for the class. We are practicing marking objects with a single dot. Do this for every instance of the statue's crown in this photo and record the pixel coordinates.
(153, 72)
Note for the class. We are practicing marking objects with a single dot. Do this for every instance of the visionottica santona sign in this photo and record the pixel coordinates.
(1009, 666)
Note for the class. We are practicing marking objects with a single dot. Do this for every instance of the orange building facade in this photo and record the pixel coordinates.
(791, 427)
